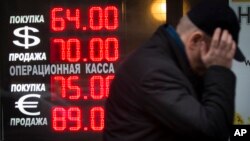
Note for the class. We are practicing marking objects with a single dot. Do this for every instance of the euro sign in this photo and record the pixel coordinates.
(29, 41)
(21, 104)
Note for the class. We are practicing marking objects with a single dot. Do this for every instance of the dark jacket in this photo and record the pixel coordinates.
(155, 97)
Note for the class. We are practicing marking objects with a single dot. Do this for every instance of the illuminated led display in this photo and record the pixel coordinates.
(99, 18)
(70, 119)
(99, 50)
(71, 51)
(65, 87)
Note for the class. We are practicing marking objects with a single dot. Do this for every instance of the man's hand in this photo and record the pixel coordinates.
(221, 50)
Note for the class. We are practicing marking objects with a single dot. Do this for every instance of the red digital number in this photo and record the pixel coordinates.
(99, 18)
(73, 88)
(96, 18)
(62, 45)
(63, 86)
(73, 44)
(75, 18)
(96, 14)
(61, 118)
(74, 116)
(99, 49)
(108, 80)
(97, 86)
(70, 119)
(97, 118)
(57, 18)
(111, 43)
(60, 84)
(57, 22)
(96, 49)
(70, 49)
(109, 23)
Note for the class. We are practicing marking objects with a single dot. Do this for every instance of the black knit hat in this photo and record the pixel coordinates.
(210, 14)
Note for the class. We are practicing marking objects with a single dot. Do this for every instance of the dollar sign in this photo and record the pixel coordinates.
(23, 32)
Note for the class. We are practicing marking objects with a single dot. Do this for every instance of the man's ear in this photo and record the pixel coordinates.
(196, 40)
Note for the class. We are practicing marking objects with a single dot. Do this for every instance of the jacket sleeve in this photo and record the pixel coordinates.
(168, 100)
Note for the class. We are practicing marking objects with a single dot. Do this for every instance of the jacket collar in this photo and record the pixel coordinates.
(175, 46)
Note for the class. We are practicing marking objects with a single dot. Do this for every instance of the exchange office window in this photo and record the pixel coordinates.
(58, 58)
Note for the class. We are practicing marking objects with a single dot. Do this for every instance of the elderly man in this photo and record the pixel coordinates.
(179, 85)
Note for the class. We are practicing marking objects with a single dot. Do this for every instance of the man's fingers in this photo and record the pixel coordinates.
(224, 41)
(230, 43)
(222, 49)
(216, 38)
(231, 53)
(214, 42)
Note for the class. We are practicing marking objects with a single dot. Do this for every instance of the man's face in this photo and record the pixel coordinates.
(193, 39)
(201, 68)
(193, 44)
